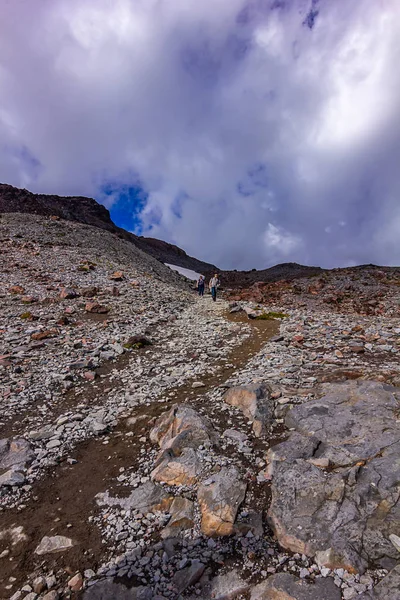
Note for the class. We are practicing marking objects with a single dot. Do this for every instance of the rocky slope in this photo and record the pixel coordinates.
(88, 211)
(157, 445)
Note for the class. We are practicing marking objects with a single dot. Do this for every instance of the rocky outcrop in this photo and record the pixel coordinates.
(219, 498)
(254, 401)
(70, 208)
(335, 481)
(284, 586)
(181, 427)
(179, 432)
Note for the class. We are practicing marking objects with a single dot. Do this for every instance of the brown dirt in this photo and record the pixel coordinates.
(65, 496)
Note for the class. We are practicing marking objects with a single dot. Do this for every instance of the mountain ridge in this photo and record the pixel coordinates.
(90, 212)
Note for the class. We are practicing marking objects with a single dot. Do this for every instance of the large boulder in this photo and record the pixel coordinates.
(255, 403)
(285, 586)
(183, 469)
(219, 498)
(15, 456)
(182, 427)
(179, 432)
(335, 480)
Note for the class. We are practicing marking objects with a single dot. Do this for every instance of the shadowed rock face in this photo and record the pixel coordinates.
(285, 586)
(88, 211)
(343, 515)
(70, 208)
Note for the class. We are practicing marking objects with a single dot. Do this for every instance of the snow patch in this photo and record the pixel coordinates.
(185, 272)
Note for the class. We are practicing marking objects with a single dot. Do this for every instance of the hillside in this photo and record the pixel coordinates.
(88, 211)
(157, 445)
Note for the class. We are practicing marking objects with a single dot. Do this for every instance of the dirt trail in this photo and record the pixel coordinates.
(64, 499)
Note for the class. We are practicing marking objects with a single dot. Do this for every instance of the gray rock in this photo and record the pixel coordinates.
(182, 511)
(284, 586)
(15, 453)
(11, 478)
(98, 427)
(220, 497)
(54, 544)
(188, 576)
(236, 436)
(145, 498)
(255, 403)
(177, 470)
(228, 586)
(182, 427)
(105, 590)
(343, 517)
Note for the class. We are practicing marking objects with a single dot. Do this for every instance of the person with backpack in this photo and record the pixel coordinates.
(200, 285)
(213, 285)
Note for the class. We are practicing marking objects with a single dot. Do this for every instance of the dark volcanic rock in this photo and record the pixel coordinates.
(70, 208)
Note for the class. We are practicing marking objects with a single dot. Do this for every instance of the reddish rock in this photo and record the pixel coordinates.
(63, 321)
(76, 583)
(90, 375)
(43, 335)
(16, 289)
(95, 307)
(117, 276)
(299, 339)
(68, 294)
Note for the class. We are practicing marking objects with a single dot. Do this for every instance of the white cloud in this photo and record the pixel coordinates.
(248, 130)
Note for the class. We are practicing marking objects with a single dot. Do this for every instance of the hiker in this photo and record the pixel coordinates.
(200, 285)
(213, 285)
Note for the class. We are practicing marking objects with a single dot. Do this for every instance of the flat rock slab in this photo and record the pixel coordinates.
(342, 515)
(285, 586)
(107, 590)
(54, 544)
(220, 497)
(255, 403)
(146, 498)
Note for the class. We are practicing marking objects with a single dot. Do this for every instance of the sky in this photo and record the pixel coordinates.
(248, 132)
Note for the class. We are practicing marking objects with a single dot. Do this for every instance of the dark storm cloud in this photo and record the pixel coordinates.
(258, 132)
